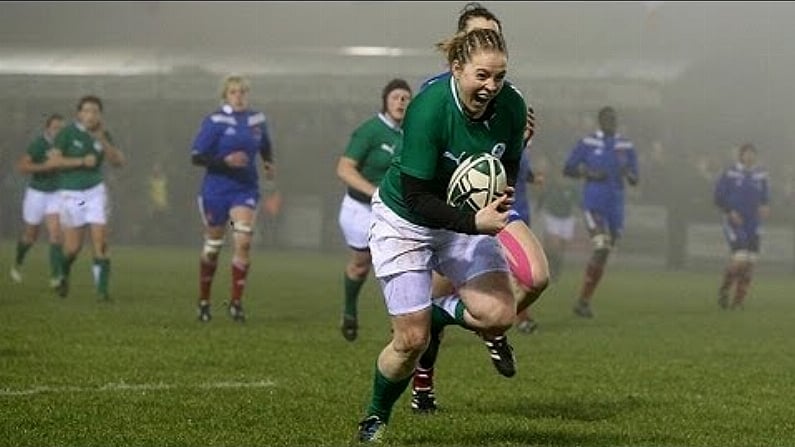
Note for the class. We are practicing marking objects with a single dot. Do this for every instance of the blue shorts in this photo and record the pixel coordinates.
(605, 222)
(214, 208)
(741, 237)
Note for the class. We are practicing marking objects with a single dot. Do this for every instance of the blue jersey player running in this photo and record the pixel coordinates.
(605, 160)
(742, 193)
(227, 146)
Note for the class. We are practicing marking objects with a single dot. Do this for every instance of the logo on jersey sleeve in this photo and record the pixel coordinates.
(498, 149)
(388, 148)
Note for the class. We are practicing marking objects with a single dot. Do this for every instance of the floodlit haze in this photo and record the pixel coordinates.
(697, 79)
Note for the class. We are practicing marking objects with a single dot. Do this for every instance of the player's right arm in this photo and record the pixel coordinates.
(61, 161)
(576, 165)
(26, 165)
(348, 164)
(721, 199)
(205, 149)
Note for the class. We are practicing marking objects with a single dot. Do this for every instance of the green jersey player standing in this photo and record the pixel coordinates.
(415, 232)
(367, 157)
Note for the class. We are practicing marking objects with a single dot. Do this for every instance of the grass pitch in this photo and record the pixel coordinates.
(660, 365)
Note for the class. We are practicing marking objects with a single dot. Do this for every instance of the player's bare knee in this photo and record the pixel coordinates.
(496, 317)
(599, 255)
(358, 270)
(243, 233)
(212, 248)
(411, 343)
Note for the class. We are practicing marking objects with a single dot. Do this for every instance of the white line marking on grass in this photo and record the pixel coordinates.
(121, 386)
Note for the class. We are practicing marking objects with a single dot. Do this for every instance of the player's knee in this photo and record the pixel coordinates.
(599, 256)
(358, 269)
(411, 343)
(741, 256)
(601, 241)
(212, 247)
(243, 232)
(496, 318)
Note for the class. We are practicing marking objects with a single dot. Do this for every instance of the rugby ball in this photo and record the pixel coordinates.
(476, 182)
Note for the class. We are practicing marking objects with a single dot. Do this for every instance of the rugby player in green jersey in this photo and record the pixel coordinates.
(82, 147)
(41, 203)
(415, 232)
(361, 168)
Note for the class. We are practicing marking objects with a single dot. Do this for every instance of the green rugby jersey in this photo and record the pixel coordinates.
(560, 197)
(75, 141)
(437, 136)
(41, 181)
(373, 145)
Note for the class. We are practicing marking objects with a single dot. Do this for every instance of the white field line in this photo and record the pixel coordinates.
(122, 386)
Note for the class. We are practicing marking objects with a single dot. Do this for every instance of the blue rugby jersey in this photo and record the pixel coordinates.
(606, 154)
(744, 191)
(225, 131)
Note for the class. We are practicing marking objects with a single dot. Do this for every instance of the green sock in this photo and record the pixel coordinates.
(22, 250)
(352, 287)
(459, 314)
(56, 260)
(385, 394)
(66, 265)
(440, 319)
(102, 266)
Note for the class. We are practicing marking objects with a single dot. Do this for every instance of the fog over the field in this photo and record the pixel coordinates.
(693, 80)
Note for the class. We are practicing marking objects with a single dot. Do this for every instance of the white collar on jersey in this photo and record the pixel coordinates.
(226, 108)
(386, 119)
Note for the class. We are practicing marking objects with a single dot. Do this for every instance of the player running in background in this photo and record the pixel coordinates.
(605, 160)
(82, 148)
(361, 167)
(414, 230)
(41, 202)
(227, 145)
(743, 193)
(557, 201)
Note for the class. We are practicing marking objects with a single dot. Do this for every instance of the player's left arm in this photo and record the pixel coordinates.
(266, 153)
(112, 152)
(764, 202)
(630, 169)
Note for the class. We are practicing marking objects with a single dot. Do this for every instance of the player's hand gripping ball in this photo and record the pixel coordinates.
(476, 182)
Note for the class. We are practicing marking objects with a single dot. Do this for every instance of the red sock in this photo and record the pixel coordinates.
(239, 273)
(743, 284)
(206, 273)
(729, 276)
(423, 378)
(593, 273)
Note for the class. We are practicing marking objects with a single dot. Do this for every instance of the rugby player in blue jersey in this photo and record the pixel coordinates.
(743, 194)
(227, 145)
(605, 160)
